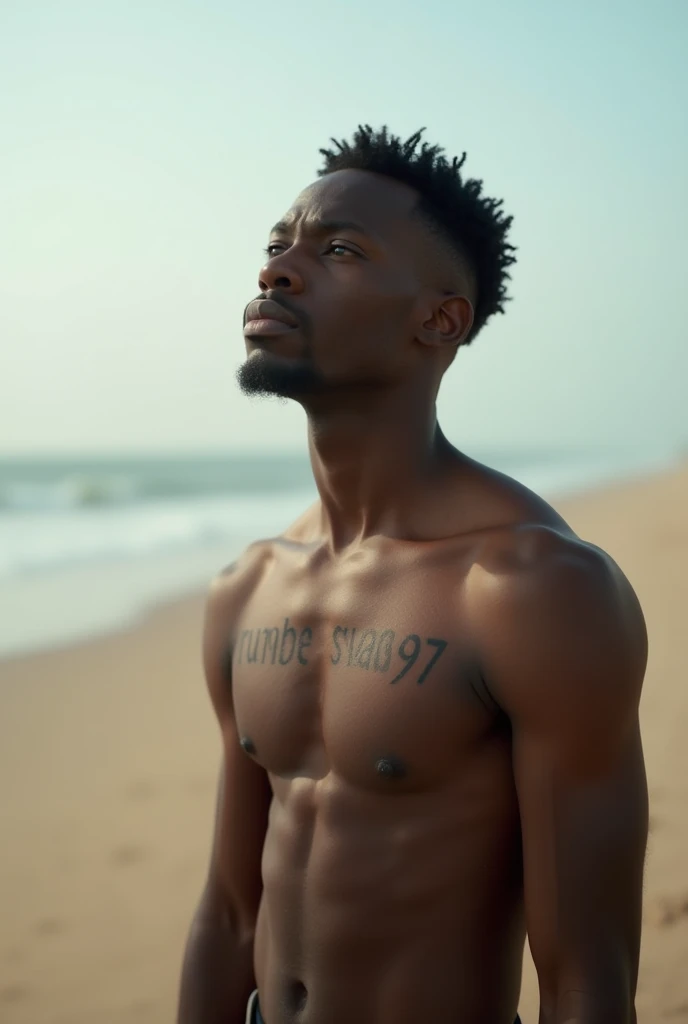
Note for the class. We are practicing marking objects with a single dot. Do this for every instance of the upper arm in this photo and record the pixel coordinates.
(234, 883)
(566, 660)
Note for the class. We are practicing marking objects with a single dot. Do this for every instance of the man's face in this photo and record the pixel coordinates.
(344, 263)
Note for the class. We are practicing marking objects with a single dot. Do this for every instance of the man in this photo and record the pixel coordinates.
(427, 686)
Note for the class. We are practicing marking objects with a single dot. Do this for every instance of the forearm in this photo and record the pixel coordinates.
(217, 974)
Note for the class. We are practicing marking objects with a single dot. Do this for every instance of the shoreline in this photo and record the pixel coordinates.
(108, 764)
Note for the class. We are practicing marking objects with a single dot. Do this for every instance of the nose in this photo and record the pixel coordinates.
(281, 272)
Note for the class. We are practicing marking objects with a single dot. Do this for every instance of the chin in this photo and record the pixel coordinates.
(265, 374)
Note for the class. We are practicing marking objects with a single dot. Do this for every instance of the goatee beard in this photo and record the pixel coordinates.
(267, 376)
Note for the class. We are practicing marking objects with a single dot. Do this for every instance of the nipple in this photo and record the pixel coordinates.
(247, 745)
(391, 768)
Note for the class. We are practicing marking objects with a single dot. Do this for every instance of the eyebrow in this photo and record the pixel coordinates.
(321, 227)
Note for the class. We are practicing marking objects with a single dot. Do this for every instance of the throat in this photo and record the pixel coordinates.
(378, 488)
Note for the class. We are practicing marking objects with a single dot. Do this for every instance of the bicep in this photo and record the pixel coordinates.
(584, 835)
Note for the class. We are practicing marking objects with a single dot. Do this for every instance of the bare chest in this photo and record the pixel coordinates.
(368, 674)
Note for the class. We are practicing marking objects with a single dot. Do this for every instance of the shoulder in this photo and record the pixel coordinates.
(234, 584)
(529, 564)
(557, 620)
(227, 594)
(539, 569)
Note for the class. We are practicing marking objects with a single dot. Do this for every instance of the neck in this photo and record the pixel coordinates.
(371, 461)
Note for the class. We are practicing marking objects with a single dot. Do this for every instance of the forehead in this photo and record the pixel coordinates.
(382, 206)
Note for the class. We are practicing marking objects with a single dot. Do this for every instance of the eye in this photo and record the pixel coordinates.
(273, 249)
(340, 245)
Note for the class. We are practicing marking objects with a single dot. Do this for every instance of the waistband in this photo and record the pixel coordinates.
(254, 1016)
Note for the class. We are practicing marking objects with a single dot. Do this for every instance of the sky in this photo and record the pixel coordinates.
(147, 148)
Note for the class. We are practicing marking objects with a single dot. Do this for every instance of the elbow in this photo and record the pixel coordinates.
(594, 984)
(217, 912)
(588, 1004)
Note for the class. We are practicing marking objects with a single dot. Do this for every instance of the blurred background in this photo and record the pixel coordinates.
(146, 150)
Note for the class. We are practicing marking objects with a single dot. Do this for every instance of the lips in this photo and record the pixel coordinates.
(264, 316)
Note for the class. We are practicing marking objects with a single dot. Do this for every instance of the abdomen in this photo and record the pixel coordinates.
(378, 909)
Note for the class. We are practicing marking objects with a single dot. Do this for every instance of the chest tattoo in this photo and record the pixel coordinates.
(383, 651)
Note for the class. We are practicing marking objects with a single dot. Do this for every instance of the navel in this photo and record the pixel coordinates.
(296, 997)
(391, 768)
(247, 745)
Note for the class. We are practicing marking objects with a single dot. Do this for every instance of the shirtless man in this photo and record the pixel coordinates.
(427, 686)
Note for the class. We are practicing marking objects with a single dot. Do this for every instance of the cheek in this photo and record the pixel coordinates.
(366, 343)
(364, 320)
(372, 306)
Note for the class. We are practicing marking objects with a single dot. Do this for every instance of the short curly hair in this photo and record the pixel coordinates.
(473, 224)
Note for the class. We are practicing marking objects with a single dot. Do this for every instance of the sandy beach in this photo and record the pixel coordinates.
(108, 763)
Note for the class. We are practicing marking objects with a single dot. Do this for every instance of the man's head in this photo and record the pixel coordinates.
(384, 266)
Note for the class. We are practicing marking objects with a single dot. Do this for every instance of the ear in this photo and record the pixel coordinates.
(449, 323)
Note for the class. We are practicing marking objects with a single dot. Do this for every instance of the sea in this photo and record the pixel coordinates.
(89, 544)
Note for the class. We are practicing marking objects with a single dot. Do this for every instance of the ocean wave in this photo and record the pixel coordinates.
(28, 488)
(70, 492)
(36, 541)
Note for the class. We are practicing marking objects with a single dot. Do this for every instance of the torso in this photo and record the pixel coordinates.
(392, 863)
